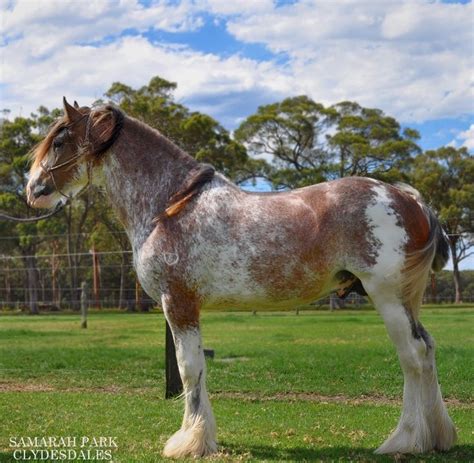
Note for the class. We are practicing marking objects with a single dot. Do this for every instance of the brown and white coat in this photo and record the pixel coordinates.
(199, 242)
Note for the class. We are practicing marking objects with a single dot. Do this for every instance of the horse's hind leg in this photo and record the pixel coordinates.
(424, 424)
(196, 438)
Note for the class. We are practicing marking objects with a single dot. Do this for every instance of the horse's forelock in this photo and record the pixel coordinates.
(40, 151)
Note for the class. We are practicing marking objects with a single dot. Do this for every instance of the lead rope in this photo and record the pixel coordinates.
(4, 216)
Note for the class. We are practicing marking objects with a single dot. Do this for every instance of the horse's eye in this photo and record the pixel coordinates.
(57, 143)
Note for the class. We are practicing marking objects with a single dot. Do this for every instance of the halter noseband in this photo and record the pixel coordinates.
(50, 171)
(74, 160)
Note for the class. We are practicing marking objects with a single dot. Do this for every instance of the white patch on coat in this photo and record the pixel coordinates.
(388, 233)
(223, 268)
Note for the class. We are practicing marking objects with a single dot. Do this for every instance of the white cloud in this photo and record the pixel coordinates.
(85, 72)
(240, 7)
(411, 58)
(467, 138)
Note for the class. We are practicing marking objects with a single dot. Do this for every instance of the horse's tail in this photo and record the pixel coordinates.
(418, 264)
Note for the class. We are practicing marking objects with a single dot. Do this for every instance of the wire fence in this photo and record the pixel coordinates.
(53, 279)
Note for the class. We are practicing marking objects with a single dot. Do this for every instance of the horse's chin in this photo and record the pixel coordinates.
(46, 202)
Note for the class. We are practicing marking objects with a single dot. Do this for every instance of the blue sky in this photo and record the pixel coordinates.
(411, 58)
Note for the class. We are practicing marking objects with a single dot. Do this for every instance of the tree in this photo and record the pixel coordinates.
(17, 137)
(309, 143)
(445, 178)
(367, 142)
(196, 133)
(291, 134)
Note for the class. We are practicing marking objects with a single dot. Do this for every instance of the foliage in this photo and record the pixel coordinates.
(308, 143)
(445, 177)
(290, 133)
(196, 133)
(294, 142)
(366, 142)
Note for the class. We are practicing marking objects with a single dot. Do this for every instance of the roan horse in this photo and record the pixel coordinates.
(200, 241)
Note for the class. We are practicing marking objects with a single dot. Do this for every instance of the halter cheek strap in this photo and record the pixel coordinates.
(104, 146)
(71, 161)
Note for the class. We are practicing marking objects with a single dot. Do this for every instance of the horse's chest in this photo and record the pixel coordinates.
(150, 270)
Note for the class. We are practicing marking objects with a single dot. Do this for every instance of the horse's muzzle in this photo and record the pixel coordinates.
(41, 190)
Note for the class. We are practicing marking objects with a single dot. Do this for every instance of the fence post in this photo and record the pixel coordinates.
(174, 386)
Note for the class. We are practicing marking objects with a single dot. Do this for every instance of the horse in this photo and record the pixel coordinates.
(199, 241)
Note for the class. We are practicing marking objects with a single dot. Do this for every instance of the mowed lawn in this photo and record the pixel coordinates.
(311, 387)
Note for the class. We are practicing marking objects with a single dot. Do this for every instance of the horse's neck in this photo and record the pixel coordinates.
(141, 172)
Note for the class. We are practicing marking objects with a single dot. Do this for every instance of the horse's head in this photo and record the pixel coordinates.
(64, 161)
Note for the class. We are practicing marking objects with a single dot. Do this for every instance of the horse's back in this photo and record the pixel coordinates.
(244, 248)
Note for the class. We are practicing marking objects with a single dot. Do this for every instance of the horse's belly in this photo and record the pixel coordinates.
(278, 290)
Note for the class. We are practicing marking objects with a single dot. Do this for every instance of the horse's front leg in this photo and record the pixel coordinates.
(196, 438)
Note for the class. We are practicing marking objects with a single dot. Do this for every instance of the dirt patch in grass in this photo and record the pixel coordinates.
(315, 397)
(245, 396)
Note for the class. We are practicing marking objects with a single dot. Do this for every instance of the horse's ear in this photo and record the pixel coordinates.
(76, 104)
(72, 113)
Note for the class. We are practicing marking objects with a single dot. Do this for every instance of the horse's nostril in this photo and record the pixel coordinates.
(41, 190)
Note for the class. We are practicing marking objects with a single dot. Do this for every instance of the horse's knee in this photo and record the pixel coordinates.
(190, 356)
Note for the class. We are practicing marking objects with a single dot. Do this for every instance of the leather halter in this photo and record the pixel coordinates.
(71, 161)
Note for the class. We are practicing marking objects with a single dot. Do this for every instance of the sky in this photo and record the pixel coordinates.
(411, 58)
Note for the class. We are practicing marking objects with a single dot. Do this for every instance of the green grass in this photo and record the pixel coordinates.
(108, 380)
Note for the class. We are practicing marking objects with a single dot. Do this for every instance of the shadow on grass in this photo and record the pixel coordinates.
(341, 453)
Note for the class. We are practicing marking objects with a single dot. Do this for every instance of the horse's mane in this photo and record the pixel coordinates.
(197, 177)
(192, 186)
(39, 152)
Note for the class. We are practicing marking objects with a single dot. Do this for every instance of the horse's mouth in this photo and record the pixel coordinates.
(49, 201)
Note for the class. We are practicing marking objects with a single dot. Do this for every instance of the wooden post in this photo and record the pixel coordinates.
(174, 386)
(84, 304)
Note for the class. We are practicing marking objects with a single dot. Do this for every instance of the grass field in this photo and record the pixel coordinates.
(314, 387)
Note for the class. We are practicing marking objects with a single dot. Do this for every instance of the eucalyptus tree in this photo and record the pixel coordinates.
(17, 137)
(290, 134)
(367, 142)
(445, 178)
(308, 143)
(198, 134)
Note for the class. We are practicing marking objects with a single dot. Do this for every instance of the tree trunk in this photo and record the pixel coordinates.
(32, 274)
(84, 304)
(55, 298)
(7, 286)
(96, 277)
(456, 274)
(73, 283)
(138, 295)
(121, 302)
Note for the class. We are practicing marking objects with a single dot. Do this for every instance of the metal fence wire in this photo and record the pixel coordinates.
(47, 280)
